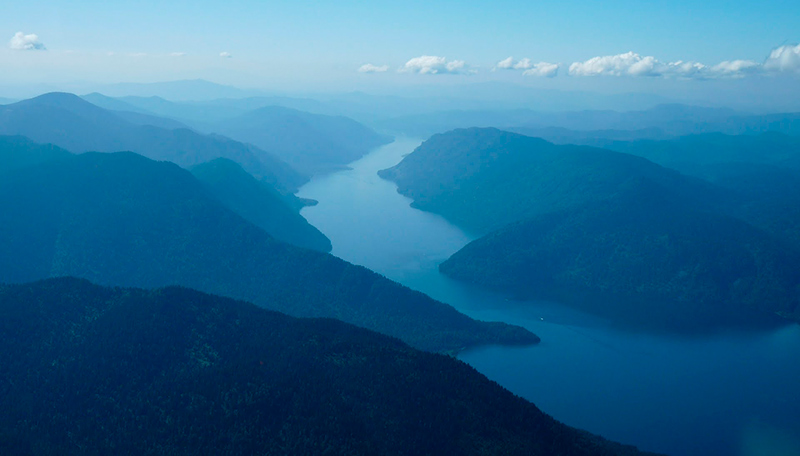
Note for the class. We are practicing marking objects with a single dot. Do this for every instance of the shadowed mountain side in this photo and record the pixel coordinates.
(484, 179)
(68, 121)
(260, 204)
(17, 152)
(761, 172)
(177, 372)
(767, 196)
(687, 152)
(640, 258)
(121, 219)
(311, 143)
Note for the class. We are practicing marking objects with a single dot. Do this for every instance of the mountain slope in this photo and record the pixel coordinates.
(483, 179)
(90, 370)
(640, 258)
(121, 219)
(18, 152)
(79, 126)
(311, 143)
(687, 152)
(259, 204)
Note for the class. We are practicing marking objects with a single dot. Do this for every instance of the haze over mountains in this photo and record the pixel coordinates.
(67, 121)
(669, 217)
(658, 122)
(311, 143)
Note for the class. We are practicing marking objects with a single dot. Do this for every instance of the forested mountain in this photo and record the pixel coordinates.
(67, 121)
(18, 152)
(484, 179)
(260, 204)
(761, 171)
(640, 258)
(616, 234)
(122, 219)
(311, 143)
(89, 371)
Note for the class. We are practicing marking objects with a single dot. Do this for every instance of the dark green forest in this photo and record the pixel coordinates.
(639, 258)
(88, 370)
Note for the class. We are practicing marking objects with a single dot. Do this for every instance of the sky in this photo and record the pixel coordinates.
(672, 46)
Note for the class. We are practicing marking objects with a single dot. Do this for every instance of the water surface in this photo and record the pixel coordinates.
(731, 393)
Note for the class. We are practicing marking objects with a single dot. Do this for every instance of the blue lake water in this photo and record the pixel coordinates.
(730, 393)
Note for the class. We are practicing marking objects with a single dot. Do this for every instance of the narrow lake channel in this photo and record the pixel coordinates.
(731, 393)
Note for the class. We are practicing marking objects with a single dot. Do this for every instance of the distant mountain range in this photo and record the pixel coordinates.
(311, 143)
(68, 121)
(89, 370)
(659, 122)
(618, 235)
(180, 90)
(122, 219)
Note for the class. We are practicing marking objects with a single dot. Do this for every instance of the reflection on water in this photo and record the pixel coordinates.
(727, 393)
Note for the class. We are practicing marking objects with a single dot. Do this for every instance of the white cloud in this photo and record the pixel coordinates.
(524, 64)
(225, 55)
(178, 54)
(542, 69)
(784, 59)
(735, 68)
(23, 42)
(370, 68)
(633, 64)
(505, 64)
(430, 64)
(511, 64)
(610, 65)
(683, 69)
(545, 69)
(138, 54)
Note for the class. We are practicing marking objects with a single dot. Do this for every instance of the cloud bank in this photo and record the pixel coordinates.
(633, 64)
(531, 69)
(370, 68)
(541, 69)
(431, 64)
(785, 59)
(23, 42)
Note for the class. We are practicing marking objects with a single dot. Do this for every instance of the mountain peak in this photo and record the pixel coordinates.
(63, 100)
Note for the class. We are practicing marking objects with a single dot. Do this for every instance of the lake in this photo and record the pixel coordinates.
(727, 393)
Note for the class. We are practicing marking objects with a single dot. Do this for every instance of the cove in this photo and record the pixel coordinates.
(727, 393)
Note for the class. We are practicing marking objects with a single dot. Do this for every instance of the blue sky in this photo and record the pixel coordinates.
(323, 44)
